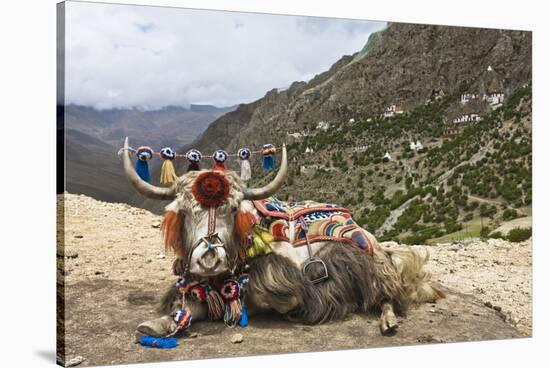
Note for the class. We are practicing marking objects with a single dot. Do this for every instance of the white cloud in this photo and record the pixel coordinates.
(150, 57)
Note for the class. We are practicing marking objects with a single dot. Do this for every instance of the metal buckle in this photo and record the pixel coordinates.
(312, 261)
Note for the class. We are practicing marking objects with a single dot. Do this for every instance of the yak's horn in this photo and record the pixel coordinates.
(148, 190)
(273, 186)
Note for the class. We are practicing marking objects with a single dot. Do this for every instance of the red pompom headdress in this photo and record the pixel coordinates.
(211, 188)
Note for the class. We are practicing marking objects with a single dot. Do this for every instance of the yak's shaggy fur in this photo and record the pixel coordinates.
(356, 283)
(415, 281)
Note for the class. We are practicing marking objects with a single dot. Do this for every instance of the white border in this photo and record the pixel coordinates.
(27, 236)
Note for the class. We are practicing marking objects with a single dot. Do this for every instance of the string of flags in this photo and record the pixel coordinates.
(194, 157)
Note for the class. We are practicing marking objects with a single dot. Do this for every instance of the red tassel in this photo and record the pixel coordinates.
(215, 304)
(171, 229)
(219, 166)
(243, 225)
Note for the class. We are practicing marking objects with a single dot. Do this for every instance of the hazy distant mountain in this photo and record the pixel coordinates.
(93, 137)
(169, 126)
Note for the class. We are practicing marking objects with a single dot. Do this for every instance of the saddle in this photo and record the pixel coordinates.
(308, 221)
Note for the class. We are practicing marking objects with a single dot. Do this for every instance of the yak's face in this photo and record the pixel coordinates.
(206, 208)
(210, 254)
(209, 210)
(210, 214)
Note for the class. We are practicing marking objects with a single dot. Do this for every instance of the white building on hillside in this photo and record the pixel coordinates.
(416, 146)
(323, 125)
(387, 156)
(309, 150)
(467, 97)
(495, 99)
(467, 118)
(352, 121)
(296, 135)
(391, 111)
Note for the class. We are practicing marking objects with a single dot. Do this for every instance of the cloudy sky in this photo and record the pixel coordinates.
(150, 57)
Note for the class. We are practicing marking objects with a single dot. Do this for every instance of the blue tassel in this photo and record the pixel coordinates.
(142, 169)
(158, 342)
(268, 162)
(243, 322)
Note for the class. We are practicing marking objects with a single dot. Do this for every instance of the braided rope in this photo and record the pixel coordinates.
(133, 150)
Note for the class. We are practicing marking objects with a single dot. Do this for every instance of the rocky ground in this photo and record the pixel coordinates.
(115, 270)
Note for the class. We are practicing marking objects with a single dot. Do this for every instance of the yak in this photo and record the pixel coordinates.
(210, 218)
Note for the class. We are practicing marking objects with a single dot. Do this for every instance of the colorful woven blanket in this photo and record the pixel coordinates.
(324, 222)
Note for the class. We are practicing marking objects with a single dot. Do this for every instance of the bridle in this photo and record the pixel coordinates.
(213, 242)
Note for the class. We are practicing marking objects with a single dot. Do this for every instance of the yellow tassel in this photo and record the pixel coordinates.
(167, 172)
(261, 238)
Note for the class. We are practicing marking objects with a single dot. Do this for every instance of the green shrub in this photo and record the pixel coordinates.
(496, 235)
(423, 235)
(518, 234)
(376, 217)
(509, 214)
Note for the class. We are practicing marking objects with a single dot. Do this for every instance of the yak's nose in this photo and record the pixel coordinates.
(209, 259)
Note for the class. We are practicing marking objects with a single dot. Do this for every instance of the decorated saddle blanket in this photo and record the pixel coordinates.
(285, 221)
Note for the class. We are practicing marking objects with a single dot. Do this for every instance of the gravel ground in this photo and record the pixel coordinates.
(115, 270)
(496, 271)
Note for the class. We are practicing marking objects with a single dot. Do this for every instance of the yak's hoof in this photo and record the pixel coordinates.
(388, 324)
(157, 327)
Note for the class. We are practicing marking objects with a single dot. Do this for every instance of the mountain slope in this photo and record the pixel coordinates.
(93, 168)
(423, 70)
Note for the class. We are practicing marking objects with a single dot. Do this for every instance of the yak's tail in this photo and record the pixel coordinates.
(409, 263)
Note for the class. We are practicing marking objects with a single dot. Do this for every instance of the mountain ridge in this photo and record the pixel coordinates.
(93, 137)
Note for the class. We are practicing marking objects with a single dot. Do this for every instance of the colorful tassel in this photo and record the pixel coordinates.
(243, 321)
(183, 285)
(219, 159)
(167, 171)
(229, 290)
(194, 157)
(144, 154)
(261, 238)
(215, 303)
(199, 292)
(233, 312)
(230, 293)
(268, 152)
(243, 281)
(158, 342)
(183, 319)
(246, 172)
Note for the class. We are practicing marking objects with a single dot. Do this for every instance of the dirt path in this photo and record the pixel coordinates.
(116, 271)
(394, 215)
(522, 222)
